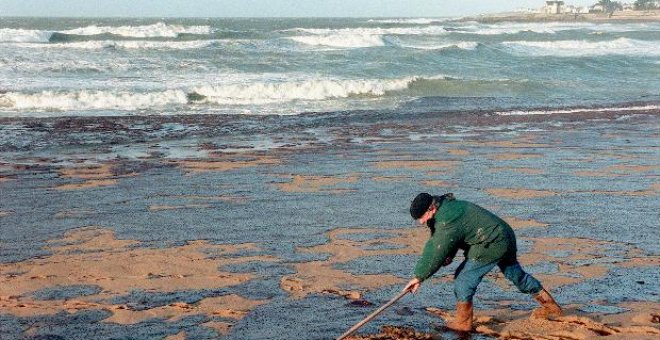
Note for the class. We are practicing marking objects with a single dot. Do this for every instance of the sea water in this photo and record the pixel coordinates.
(110, 67)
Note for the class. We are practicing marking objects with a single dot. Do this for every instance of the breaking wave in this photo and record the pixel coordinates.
(358, 37)
(578, 48)
(123, 44)
(230, 94)
(263, 93)
(464, 45)
(414, 21)
(20, 35)
(157, 30)
(429, 30)
(342, 41)
(91, 100)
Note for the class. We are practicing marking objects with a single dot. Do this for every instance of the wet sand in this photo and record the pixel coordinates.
(101, 267)
(109, 241)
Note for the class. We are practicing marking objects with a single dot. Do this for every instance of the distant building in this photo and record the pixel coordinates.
(525, 10)
(575, 9)
(597, 9)
(554, 7)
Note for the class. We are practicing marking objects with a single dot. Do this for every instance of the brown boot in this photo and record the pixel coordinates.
(549, 308)
(463, 320)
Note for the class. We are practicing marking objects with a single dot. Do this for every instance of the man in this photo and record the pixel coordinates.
(487, 241)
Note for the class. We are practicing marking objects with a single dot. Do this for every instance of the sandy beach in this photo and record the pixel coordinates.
(305, 240)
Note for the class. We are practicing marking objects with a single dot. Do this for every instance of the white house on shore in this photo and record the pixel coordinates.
(558, 7)
(574, 9)
(553, 7)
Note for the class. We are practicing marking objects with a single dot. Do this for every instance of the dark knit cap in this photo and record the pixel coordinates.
(420, 205)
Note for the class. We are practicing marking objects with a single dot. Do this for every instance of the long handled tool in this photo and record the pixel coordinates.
(373, 315)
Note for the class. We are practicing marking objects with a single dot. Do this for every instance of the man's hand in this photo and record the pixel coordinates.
(412, 286)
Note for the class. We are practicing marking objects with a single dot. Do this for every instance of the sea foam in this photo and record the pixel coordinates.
(464, 45)
(429, 30)
(157, 30)
(227, 94)
(263, 93)
(578, 48)
(358, 37)
(91, 100)
(583, 110)
(122, 44)
(21, 35)
(342, 41)
(413, 21)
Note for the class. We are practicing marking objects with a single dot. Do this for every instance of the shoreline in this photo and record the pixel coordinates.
(618, 16)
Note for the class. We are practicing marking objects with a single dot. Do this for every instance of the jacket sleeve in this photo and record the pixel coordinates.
(436, 251)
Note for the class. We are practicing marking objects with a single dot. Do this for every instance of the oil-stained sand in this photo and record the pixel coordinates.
(201, 236)
(94, 257)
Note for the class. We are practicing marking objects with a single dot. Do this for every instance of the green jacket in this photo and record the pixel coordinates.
(464, 225)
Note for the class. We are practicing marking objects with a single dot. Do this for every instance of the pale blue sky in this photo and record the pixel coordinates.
(263, 8)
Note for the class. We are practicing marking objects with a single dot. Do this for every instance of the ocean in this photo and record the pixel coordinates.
(111, 67)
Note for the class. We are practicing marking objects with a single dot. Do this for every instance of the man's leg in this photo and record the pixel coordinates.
(529, 285)
(513, 271)
(466, 279)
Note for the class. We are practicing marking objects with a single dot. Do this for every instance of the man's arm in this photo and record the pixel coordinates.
(413, 285)
(437, 253)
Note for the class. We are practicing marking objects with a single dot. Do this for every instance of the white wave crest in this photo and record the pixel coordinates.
(257, 93)
(414, 21)
(577, 48)
(515, 28)
(491, 30)
(156, 30)
(20, 35)
(553, 27)
(549, 112)
(358, 37)
(430, 30)
(91, 100)
(122, 44)
(342, 41)
(311, 90)
(464, 45)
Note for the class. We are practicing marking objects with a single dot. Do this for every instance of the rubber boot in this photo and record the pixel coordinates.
(549, 308)
(463, 320)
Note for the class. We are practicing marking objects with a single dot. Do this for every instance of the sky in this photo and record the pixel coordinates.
(264, 8)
